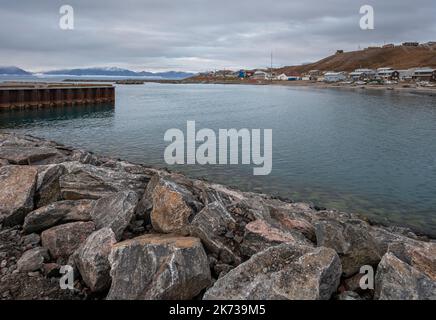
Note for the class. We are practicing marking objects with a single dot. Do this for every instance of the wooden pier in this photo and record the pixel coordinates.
(16, 95)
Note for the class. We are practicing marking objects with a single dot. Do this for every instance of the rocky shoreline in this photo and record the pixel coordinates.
(134, 232)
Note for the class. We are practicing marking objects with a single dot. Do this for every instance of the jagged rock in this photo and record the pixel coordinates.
(210, 225)
(115, 211)
(419, 255)
(31, 155)
(48, 189)
(63, 240)
(92, 259)
(16, 196)
(58, 213)
(158, 267)
(383, 238)
(31, 239)
(301, 225)
(397, 280)
(173, 206)
(351, 239)
(259, 235)
(85, 181)
(84, 157)
(286, 271)
(32, 259)
(145, 205)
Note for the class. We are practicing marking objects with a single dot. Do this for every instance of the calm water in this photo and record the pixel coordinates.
(367, 152)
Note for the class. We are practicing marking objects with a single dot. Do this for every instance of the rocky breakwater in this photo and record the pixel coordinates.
(133, 232)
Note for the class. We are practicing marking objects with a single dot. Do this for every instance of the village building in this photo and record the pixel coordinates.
(406, 74)
(411, 44)
(260, 75)
(424, 74)
(388, 74)
(334, 76)
(363, 74)
(314, 75)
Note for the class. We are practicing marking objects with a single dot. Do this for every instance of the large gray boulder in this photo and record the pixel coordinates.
(397, 280)
(158, 267)
(58, 213)
(351, 239)
(48, 189)
(91, 259)
(16, 194)
(33, 259)
(173, 205)
(85, 181)
(115, 211)
(61, 241)
(211, 225)
(260, 235)
(286, 271)
(31, 155)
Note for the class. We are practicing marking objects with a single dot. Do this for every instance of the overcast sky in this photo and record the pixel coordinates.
(197, 35)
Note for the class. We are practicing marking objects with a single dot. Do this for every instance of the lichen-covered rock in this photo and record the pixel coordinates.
(419, 255)
(31, 155)
(259, 235)
(48, 189)
(33, 259)
(211, 225)
(115, 211)
(351, 239)
(16, 194)
(158, 267)
(61, 241)
(173, 206)
(92, 259)
(85, 181)
(286, 271)
(58, 213)
(397, 280)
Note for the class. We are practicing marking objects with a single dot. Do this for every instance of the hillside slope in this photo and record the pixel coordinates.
(398, 57)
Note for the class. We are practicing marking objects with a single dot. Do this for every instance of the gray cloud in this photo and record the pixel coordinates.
(195, 35)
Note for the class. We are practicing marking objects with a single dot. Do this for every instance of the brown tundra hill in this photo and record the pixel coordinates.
(400, 57)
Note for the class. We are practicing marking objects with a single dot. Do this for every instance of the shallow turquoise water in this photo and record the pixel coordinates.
(367, 152)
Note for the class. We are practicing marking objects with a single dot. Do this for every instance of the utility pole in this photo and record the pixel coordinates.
(271, 68)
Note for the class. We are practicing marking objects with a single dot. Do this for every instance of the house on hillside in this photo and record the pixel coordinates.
(260, 75)
(282, 77)
(406, 75)
(363, 74)
(388, 74)
(334, 76)
(314, 74)
(411, 44)
(389, 45)
(424, 74)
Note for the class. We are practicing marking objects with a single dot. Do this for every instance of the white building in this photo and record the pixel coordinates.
(334, 76)
(260, 75)
(363, 74)
(406, 75)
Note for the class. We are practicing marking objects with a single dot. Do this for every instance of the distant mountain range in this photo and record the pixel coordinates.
(114, 72)
(13, 71)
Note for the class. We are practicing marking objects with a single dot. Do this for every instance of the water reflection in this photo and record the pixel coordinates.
(29, 117)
